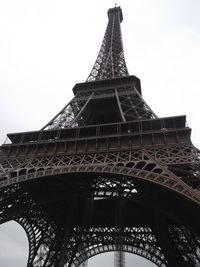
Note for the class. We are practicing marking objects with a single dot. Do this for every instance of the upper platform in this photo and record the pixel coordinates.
(109, 83)
(113, 11)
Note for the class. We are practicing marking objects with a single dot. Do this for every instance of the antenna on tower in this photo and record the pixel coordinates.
(115, 4)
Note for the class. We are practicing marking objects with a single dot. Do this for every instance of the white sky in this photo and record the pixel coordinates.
(46, 46)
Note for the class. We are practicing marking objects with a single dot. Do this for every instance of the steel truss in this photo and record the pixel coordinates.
(52, 244)
(145, 164)
(131, 106)
(110, 61)
(105, 174)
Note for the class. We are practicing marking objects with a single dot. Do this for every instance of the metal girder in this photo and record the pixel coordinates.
(110, 61)
(105, 174)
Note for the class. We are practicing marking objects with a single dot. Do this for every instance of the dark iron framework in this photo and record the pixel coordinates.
(105, 174)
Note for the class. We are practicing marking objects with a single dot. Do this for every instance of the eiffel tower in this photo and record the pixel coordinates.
(105, 174)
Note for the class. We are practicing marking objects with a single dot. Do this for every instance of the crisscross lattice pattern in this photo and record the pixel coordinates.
(131, 106)
(110, 62)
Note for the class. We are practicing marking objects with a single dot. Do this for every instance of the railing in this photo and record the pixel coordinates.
(132, 127)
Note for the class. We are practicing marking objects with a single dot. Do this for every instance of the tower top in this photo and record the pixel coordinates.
(110, 62)
(114, 11)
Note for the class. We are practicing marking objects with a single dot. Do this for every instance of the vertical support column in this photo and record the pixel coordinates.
(81, 242)
(119, 256)
(119, 105)
(119, 259)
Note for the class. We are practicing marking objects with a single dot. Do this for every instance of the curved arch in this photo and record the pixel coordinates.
(20, 207)
(167, 180)
(111, 259)
(30, 235)
(41, 234)
(150, 253)
(122, 171)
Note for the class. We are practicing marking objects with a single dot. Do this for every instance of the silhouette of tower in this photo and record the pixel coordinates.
(105, 174)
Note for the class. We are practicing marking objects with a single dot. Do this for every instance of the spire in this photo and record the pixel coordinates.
(110, 62)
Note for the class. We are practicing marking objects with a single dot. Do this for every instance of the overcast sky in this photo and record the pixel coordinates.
(46, 46)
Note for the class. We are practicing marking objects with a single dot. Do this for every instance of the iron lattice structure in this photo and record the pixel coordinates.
(105, 174)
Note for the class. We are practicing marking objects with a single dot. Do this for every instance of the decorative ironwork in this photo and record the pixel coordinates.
(127, 102)
(105, 174)
(110, 62)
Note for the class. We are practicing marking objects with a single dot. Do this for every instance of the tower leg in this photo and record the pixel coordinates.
(177, 247)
